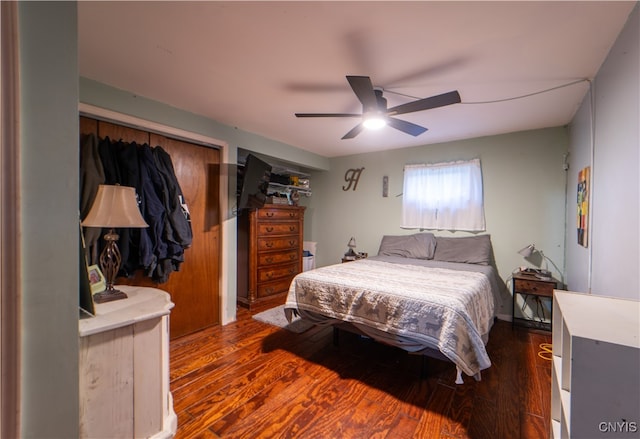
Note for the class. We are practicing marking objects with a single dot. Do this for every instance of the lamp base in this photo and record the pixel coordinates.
(109, 296)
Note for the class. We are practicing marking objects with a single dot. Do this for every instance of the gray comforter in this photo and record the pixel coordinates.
(410, 303)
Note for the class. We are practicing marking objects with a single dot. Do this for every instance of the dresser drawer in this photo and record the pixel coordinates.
(278, 272)
(277, 258)
(278, 243)
(278, 214)
(533, 287)
(270, 288)
(274, 228)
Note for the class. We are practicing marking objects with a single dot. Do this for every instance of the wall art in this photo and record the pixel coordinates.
(352, 176)
(583, 207)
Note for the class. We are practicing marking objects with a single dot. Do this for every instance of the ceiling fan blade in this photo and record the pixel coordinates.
(406, 127)
(363, 88)
(354, 132)
(327, 115)
(452, 97)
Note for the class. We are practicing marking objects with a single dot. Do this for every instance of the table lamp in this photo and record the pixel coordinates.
(351, 252)
(531, 250)
(114, 207)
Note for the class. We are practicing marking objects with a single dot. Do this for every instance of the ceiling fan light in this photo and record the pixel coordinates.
(374, 122)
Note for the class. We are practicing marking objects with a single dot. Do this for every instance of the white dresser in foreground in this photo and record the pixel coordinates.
(124, 368)
(595, 383)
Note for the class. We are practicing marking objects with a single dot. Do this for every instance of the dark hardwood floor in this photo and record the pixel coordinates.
(249, 379)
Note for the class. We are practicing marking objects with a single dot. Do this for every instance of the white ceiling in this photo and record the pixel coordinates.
(252, 65)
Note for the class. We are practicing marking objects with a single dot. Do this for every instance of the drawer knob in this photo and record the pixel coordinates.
(269, 275)
(291, 242)
(269, 260)
(269, 229)
(269, 290)
(269, 244)
(292, 228)
(270, 214)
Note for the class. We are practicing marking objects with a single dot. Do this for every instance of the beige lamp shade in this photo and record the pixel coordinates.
(115, 207)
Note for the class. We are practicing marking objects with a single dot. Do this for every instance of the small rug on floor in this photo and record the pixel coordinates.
(275, 316)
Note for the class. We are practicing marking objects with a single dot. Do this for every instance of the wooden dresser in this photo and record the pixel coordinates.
(270, 243)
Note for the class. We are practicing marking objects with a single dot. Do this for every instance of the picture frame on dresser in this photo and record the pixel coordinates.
(96, 279)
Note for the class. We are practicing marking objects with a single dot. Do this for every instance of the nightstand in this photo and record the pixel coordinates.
(535, 294)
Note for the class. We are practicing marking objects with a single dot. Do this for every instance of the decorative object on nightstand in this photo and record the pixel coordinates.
(114, 207)
(537, 295)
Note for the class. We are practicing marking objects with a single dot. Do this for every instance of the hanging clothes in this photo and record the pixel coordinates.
(179, 227)
(91, 176)
(109, 161)
(158, 249)
(155, 214)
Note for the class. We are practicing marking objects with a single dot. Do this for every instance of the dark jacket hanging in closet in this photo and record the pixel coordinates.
(158, 249)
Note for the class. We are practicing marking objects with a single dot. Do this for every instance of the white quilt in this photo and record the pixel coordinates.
(415, 306)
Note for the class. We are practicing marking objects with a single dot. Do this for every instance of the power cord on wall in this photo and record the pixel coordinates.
(578, 81)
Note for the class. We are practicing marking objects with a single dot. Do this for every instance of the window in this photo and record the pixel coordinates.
(443, 196)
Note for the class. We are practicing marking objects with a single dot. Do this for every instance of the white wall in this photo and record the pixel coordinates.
(49, 219)
(524, 188)
(605, 135)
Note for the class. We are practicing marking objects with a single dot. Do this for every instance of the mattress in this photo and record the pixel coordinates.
(414, 304)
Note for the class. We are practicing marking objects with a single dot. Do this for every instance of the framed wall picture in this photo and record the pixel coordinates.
(583, 207)
(96, 279)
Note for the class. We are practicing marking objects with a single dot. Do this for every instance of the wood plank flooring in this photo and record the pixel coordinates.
(252, 380)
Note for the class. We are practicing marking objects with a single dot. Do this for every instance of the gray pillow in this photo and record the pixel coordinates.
(466, 249)
(417, 246)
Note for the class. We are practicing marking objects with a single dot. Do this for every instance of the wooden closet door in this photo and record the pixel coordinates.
(195, 288)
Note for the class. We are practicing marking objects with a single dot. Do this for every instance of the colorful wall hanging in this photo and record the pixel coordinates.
(583, 206)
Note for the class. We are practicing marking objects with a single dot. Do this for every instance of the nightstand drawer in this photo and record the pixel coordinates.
(537, 287)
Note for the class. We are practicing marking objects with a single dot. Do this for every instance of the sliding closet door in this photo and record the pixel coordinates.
(195, 288)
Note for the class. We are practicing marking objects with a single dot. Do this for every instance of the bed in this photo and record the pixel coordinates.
(428, 295)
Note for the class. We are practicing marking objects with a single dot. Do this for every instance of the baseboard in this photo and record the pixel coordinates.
(505, 317)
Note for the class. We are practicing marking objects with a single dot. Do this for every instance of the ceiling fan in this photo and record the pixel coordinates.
(375, 113)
